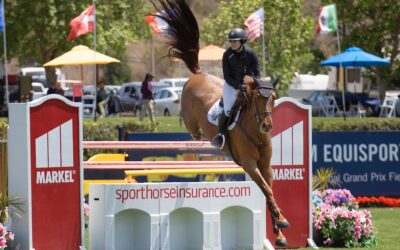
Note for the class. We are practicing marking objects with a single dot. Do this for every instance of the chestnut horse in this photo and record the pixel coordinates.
(249, 142)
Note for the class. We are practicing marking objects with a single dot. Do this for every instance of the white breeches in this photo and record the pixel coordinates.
(229, 95)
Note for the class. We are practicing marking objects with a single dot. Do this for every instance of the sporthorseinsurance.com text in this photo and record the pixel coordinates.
(148, 192)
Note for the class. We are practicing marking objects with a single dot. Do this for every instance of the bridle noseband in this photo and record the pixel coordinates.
(266, 93)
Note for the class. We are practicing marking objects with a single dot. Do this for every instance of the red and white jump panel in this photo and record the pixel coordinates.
(125, 165)
(169, 216)
(171, 145)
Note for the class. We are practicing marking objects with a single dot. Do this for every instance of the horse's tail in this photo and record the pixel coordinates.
(182, 33)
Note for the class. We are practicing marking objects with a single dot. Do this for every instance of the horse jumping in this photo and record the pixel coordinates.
(249, 143)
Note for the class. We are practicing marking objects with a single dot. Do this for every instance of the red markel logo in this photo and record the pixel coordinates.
(54, 149)
(288, 148)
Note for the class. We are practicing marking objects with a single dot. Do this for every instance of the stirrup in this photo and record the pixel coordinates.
(218, 141)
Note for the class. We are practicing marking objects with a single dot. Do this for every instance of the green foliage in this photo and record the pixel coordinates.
(118, 73)
(286, 33)
(374, 27)
(41, 27)
(10, 203)
(310, 62)
(355, 124)
(322, 179)
(387, 228)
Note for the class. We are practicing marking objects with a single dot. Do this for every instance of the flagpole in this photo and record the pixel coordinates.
(153, 67)
(341, 79)
(263, 41)
(263, 51)
(5, 54)
(95, 65)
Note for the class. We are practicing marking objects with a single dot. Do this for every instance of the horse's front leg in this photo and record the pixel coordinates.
(277, 218)
(278, 222)
(264, 165)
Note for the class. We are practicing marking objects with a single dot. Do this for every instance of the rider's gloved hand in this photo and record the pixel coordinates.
(243, 87)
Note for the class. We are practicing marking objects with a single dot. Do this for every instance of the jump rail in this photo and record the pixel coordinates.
(171, 145)
(184, 171)
(123, 165)
(159, 167)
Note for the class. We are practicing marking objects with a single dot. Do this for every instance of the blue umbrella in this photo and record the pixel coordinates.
(355, 57)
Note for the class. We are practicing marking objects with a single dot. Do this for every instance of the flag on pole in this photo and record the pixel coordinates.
(82, 24)
(255, 25)
(327, 21)
(158, 25)
(1, 17)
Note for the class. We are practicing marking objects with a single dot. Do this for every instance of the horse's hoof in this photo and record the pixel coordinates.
(281, 242)
(282, 224)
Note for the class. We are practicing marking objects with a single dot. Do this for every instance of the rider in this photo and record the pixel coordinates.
(240, 66)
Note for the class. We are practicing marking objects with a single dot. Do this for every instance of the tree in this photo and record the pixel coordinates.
(37, 30)
(286, 32)
(375, 27)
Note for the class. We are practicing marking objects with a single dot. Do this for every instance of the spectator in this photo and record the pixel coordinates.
(114, 104)
(147, 96)
(101, 98)
(56, 89)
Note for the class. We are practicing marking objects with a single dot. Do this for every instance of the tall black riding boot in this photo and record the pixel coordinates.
(219, 139)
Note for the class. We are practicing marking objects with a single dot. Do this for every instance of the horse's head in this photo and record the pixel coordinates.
(263, 99)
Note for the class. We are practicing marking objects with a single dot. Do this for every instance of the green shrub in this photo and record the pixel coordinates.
(355, 124)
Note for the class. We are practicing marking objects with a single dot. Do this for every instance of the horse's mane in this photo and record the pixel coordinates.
(183, 32)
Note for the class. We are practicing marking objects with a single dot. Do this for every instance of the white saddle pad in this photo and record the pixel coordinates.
(214, 113)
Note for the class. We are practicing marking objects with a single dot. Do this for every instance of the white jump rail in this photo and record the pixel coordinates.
(168, 145)
(153, 145)
(133, 165)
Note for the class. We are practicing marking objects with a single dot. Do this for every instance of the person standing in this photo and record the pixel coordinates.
(147, 97)
(240, 67)
(102, 98)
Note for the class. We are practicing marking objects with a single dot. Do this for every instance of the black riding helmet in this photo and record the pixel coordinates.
(238, 34)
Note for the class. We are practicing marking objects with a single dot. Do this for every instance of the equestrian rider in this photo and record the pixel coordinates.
(240, 67)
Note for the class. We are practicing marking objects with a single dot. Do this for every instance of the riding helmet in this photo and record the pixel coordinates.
(237, 34)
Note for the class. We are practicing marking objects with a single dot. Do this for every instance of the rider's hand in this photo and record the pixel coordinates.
(248, 80)
(243, 88)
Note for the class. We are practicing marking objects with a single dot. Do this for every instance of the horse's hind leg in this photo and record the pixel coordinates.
(276, 215)
(193, 127)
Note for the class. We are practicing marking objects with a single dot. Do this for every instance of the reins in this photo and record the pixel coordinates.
(257, 143)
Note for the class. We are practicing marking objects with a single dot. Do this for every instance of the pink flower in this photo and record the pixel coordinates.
(3, 230)
(11, 236)
(328, 241)
(3, 242)
(86, 209)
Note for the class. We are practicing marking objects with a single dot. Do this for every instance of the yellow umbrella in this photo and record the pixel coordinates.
(211, 53)
(80, 55)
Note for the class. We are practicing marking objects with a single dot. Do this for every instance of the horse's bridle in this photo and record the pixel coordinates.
(265, 92)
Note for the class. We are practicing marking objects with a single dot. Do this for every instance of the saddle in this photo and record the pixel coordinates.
(218, 108)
